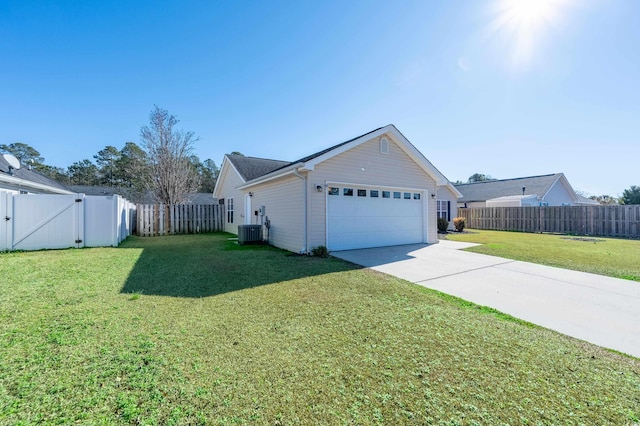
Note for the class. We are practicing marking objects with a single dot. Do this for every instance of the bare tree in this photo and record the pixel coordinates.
(171, 178)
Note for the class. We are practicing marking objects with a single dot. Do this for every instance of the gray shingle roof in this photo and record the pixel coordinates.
(482, 191)
(253, 167)
(30, 175)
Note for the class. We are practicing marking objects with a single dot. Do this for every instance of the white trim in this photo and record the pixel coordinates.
(451, 188)
(248, 214)
(221, 177)
(397, 137)
(269, 177)
(29, 184)
(567, 186)
(226, 210)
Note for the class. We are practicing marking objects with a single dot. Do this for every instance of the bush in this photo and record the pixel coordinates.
(458, 223)
(320, 251)
(443, 224)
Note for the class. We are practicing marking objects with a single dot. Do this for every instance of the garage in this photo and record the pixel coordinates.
(367, 216)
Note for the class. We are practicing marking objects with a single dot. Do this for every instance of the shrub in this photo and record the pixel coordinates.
(320, 251)
(458, 223)
(443, 224)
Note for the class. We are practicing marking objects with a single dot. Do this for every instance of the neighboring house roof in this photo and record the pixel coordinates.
(96, 190)
(587, 201)
(25, 178)
(250, 168)
(309, 162)
(487, 190)
(202, 198)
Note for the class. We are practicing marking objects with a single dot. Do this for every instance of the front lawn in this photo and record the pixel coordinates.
(196, 330)
(605, 256)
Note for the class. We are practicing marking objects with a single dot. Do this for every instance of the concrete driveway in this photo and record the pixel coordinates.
(598, 309)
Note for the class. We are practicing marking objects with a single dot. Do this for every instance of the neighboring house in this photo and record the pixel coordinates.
(584, 201)
(145, 198)
(371, 191)
(545, 190)
(27, 181)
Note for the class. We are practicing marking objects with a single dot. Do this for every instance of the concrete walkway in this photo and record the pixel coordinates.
(598, 309)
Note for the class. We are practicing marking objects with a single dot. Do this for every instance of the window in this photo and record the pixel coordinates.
(334, 191)
(347, 192)
(362, 192)
(384, 146)
(416, 196)
(386, 194)
(396, 195)
(229, 210)
(373, 193)
(444, 209)
(407, 195)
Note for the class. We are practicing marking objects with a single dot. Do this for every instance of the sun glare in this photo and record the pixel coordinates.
(525, 24)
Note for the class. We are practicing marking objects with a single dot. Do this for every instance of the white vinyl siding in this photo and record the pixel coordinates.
(230, 181)
(283, 200)
(365, 165)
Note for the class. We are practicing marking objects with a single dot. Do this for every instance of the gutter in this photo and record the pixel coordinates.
(271, 176)
(26, 184)
(305, 249)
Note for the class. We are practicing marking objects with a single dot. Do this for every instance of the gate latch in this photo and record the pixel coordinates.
(7, 218)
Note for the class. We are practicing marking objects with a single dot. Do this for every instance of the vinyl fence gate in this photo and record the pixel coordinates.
(48, 221)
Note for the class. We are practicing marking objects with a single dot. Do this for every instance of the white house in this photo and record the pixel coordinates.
(545, 190)
(371, 191)
(23, 180)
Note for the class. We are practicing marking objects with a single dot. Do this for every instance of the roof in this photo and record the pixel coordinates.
(252, 174)
(30, 176)
(587, 201)
(252, 167)
(487, 190)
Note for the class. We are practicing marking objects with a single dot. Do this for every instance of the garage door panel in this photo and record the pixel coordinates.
(360, 222)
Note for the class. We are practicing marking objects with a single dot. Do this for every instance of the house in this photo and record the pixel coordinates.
(137, 197)
(447, 203)
(24, 180)
(371, 191)
(545, 190)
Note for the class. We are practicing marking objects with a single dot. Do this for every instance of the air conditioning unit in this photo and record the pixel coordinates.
(249, 233)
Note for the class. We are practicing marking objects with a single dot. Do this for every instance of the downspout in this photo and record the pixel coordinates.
(305, 249)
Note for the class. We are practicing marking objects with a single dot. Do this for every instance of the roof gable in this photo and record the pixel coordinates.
(308, 163)
(250, 168)
(486, 190)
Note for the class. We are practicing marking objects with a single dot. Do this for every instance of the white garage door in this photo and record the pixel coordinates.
(361, 217)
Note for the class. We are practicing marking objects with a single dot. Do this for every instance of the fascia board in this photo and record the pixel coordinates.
(271, 176)
(224, 169)
(310, 165)
(28, 184)
(453, 190)
(417, 156)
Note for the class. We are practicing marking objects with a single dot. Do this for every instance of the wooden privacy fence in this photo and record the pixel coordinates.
(163, 219)
(603, 221)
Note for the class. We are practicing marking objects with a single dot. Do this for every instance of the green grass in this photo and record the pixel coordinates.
(613, 257)
(196, 330)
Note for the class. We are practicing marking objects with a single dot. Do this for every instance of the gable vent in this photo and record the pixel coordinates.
(384, 146)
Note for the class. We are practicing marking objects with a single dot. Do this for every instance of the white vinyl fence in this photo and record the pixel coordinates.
(44, 221)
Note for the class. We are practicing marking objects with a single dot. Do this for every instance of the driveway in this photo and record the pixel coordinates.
(598, 309)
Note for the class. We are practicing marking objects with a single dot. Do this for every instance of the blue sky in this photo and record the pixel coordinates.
(478, 86)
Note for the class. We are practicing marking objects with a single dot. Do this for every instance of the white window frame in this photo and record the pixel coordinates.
(229, 203)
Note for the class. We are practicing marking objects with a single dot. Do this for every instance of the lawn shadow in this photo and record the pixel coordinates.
(210, 264)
